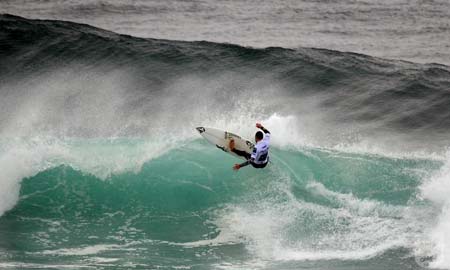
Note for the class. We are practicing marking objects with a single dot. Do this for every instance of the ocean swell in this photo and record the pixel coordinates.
(97, 139)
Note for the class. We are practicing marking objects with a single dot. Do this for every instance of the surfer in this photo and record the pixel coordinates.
(260, 155)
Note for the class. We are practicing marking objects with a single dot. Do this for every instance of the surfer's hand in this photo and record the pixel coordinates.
(236, 167)
(258, 125)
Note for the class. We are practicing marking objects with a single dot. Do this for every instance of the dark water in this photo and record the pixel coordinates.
(414, 30)
(102, 167)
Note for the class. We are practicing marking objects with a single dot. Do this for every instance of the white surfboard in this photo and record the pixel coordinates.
(221, 139)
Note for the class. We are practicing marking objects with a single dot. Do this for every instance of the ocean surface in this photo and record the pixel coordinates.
(415, 30)
(102, 168)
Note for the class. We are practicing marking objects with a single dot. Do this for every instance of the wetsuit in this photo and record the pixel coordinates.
(260, 155)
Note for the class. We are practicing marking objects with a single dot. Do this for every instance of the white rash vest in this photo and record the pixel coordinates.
(260, 154)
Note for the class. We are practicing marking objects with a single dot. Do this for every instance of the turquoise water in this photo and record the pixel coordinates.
(101, 165)
(187, 208)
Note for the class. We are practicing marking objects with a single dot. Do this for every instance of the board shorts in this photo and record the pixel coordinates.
(259, 166)
(248, 156)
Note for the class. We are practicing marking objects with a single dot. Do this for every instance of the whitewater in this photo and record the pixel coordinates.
(102, 166)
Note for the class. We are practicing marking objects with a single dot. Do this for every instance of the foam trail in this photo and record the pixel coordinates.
(361, 228)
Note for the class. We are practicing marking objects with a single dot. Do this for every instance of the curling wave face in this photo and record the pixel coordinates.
(310, 204)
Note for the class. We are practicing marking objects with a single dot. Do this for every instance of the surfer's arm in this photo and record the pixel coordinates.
(243, 164)
(238, 166)
(250, 159)
(258, 125)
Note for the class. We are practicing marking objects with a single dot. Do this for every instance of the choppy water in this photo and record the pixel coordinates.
(102, 167)
(414, 30)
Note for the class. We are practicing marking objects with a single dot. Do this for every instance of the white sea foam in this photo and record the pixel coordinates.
(306, 131)
(18, 265)
(437, 190)
(267, 234)
(279, 228)
(88, 250)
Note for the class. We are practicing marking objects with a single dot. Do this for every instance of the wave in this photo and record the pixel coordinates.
(354, 87)
(97, 139)
(315, 211)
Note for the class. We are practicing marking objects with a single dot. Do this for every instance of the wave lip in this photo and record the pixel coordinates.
(23, 158)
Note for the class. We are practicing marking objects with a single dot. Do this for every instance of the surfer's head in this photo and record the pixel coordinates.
(259, 136)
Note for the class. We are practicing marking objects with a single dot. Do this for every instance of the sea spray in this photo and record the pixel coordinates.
(436, 189)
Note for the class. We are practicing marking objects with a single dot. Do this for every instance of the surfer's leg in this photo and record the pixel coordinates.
(241, 153)
(238, 152)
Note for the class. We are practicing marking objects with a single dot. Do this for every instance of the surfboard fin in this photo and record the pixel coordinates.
(200, 129)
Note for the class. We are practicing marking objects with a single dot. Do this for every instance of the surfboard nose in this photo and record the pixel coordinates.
(200, 129)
